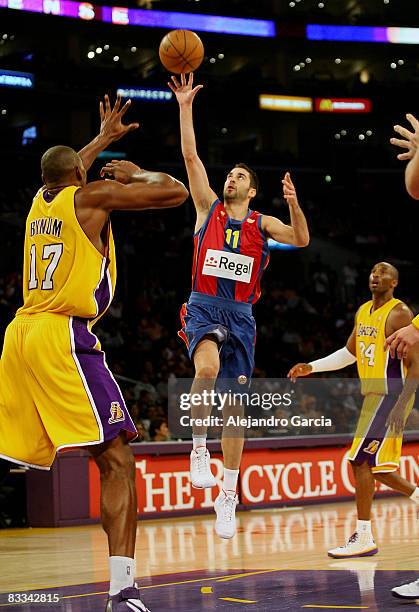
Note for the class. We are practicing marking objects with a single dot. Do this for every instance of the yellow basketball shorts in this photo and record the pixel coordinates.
(373, 443)
(56, 390)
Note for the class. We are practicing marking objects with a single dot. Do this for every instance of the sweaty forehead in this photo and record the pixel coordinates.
(238, 171)
(383, 267)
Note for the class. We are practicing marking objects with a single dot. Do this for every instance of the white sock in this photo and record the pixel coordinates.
(199, 441)
(415, 495)
(122, 570)
(230, 479)
(364, 528)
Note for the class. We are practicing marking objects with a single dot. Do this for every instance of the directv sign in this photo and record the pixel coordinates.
(9, 78)
(145, 93)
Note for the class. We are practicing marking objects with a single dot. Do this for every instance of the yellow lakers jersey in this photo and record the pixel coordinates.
(375, 365)
(63, 271)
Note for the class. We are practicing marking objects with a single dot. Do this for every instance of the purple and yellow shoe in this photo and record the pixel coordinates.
(356, 546)
(127, 600)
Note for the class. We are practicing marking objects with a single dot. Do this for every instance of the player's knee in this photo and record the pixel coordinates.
(233, 410)
(118, 462)
(207, 371)
(360, 468)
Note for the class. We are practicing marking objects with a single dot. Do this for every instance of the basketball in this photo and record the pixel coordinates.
(181, 51)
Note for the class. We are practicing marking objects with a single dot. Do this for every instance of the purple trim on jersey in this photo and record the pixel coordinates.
(48, 197)
(102, 389)
(394, 374)
(394, 367)
(376, 431)
(102, 292)
(201, 233)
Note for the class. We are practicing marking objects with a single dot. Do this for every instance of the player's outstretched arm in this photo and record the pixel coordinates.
(409, 142)
(111, 129)
(132, 189)
(396, 418)
(201, 192)
(336, 361)
(400, 327)
(297, 233)
(404, 339)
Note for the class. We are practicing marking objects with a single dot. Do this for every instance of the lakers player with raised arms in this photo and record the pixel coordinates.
(388, 386)
(56, 390)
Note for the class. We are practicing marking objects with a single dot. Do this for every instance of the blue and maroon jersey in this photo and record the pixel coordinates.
(230, 256)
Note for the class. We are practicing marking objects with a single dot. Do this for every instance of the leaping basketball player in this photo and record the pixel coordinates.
(56, 390)
(231, 253)
(388, 385)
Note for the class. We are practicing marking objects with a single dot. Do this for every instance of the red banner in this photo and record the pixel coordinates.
(276, 477)
(342, 105)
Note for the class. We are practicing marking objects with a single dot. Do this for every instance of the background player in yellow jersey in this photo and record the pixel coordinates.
(376, 448)
(56, 390)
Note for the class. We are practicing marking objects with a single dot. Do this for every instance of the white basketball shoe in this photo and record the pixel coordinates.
(358, 545)
(407, 591)
(225, 508)
(201, 475)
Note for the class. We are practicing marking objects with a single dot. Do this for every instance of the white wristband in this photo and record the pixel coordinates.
(336, 361)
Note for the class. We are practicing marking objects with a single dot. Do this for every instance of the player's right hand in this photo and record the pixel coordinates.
(111, 126)
(301, 369)
(410, 140)
(183, 90)
(122, 171)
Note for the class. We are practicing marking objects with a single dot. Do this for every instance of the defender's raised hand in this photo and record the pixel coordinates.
(410, 140)
(111, 126)
(183, 91)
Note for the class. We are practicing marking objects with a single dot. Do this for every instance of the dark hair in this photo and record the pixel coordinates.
(58, 162)
(254, 181)
(155, 426)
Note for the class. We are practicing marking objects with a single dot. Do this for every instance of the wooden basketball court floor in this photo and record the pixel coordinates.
(277, 561)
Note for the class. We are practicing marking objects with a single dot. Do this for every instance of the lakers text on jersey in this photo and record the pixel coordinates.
(381, 382)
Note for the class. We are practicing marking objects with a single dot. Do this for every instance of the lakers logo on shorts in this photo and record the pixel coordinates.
(372, 447)
(117, 414)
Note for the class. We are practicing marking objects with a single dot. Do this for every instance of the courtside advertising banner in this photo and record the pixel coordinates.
(274, 477)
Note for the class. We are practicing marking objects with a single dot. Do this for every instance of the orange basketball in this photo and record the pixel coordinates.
(181, 51)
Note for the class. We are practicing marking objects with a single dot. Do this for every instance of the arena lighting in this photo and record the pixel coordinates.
(111, 155)
(293, 104)
(407, 36)
(10, 78)
(29, 135)
(273, 245)
(342, 105)
(145, 93)
(139, 17)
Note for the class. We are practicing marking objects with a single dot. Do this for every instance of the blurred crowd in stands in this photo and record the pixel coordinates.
(307, 308)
